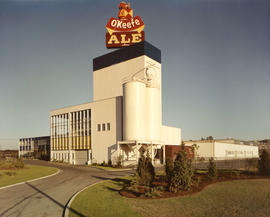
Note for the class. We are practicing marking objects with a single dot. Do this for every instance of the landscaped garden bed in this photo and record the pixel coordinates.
(181, 178)
(159, 187)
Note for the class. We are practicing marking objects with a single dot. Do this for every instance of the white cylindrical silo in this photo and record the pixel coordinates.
(134, 121)
(153, 114)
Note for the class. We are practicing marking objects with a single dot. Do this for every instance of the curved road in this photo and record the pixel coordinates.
(49, 196)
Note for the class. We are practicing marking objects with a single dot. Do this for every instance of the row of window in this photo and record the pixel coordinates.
(25, 148)
(104, 127)
(62, 156)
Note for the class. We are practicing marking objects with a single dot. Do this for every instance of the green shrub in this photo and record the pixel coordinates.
(110, 163)
(252, 163)
(19, 163)
(196, 181)
(264, 163)
(10, 173)
(236, 174)
(152, 192)
(145, 171)
(103, 164)
(212, 169)
(119, 160)
(182, 172)
(169, 169)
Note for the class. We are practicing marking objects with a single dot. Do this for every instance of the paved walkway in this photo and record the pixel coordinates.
(48, 197)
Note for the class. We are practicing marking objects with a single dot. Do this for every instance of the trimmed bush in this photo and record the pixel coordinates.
(103, 164)
(110, 163)
(19, 163)
(182, 173)
(145, 171)
(212, 169)
(169, 169)
(264, 163)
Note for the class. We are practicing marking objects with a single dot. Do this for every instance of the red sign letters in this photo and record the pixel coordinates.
(126, 30)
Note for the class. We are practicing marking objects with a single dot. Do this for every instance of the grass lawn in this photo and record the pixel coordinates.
(239, 198)
(13, 176)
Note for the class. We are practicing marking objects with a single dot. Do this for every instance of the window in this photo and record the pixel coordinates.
(103, 127)
(108, 126)
(98, 127)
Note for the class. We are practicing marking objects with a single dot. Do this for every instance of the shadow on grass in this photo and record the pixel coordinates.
(101, 178)
(121, 183)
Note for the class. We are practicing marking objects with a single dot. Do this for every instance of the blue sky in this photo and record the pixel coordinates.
(215, 62)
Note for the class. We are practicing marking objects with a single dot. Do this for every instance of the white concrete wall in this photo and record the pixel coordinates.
(170, 135)
(225, 150)
(104, 143)
(205, 150)
(107, 82)
(222, 150)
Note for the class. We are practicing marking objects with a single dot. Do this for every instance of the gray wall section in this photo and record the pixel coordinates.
(81, 157)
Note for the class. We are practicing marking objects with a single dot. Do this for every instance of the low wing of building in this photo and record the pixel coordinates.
(224, 149)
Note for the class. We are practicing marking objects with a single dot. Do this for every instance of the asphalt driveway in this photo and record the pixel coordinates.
(49, 196)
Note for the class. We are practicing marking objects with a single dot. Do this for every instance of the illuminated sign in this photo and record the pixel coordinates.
(126, 30)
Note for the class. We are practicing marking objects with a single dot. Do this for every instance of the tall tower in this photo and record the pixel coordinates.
(134, 73)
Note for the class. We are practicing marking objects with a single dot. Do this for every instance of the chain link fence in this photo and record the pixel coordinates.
(228, 164)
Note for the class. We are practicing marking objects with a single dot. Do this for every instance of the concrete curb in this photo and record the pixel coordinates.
(32, 180)
(67, 207)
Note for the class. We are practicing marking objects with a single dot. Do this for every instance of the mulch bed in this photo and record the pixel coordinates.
(204, 181)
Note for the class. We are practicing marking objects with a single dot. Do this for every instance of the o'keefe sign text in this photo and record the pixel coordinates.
(126, 30)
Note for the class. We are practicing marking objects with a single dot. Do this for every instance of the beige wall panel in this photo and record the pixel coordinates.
(103, 143)
(226, 150)
(170, 135)
(206, 149)
(107, 82)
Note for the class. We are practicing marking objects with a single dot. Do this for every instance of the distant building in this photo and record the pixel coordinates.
(37, 147)
(222, 149)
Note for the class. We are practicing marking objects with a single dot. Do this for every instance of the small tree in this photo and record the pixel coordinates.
(209, 138)
(264, 163)
(109, 162)
(195, 149)
(145, 170)
(169, 169)
(182, 173)
(119, 161)
(212, 169)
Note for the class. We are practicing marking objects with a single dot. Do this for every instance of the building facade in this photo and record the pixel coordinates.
(125, 118)
(37, 147)
(224, 149)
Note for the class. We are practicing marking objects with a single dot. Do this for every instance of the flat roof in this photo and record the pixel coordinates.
(36, 138)
(127, 53)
